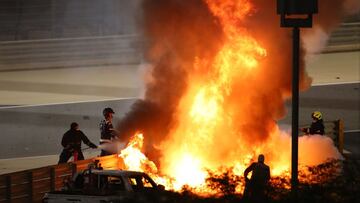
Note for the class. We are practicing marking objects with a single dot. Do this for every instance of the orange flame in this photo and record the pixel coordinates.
(204, 120)
(213, 127)
(134, 159)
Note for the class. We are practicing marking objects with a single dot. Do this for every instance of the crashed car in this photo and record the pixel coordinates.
(109, 186)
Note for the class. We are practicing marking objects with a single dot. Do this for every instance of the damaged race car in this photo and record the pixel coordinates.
(94, 185)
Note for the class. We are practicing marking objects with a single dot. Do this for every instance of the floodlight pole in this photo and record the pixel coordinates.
(295, 111)
(286, 8)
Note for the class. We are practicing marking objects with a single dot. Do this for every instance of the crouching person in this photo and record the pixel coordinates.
(71, 142)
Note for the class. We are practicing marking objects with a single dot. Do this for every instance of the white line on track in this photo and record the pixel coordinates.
(75, 102)
(352, 131)
(335, 83)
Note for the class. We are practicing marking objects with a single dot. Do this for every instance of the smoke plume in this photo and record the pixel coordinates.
(183, 42)
(175, 32)
(329, 17)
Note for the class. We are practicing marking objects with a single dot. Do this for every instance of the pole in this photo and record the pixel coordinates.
(295, 112)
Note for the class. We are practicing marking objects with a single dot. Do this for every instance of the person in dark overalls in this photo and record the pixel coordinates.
(317, 125)
(108, 133)
(255, 187)
(71, 142)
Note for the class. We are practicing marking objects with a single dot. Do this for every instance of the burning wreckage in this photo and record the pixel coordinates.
(218, 78)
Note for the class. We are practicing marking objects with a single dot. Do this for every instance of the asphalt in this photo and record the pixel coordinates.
(339, 101)
(37, 130)
(352, 143)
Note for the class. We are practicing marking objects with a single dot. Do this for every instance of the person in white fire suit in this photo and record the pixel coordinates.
(108, 133)
(255, 187)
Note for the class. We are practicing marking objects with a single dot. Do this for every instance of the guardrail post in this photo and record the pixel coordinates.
(8, 188)
(73, 169)
(30, 181)
(52, 179)
(341, 135)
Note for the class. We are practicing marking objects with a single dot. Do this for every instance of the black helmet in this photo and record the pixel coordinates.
(73, 125)
(108, 110)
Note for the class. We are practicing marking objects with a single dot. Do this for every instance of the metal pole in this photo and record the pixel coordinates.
(295, 111)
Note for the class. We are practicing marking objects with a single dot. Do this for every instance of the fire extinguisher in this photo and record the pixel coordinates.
(75, 155)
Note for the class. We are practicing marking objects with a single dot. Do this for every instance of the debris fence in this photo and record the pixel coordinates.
(31, 185)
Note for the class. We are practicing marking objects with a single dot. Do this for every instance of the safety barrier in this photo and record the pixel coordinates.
(31, 185)
(70, 52)
(345, 38)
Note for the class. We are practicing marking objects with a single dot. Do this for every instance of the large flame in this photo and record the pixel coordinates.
(208, 134)
(133, 157)
(228, 113)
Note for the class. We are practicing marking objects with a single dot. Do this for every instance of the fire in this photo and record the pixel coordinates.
(204, 118)
(134, 159)
(228, 113)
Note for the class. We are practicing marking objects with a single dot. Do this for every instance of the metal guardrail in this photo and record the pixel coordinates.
(345, 38)
(31, 185)
(70, 52)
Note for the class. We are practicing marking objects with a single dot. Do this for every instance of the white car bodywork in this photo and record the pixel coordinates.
(108, 186)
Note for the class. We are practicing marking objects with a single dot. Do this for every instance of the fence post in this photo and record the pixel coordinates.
(30, 180)
(341, 135)
(73, 169)
(8, 188)
(52, 179)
